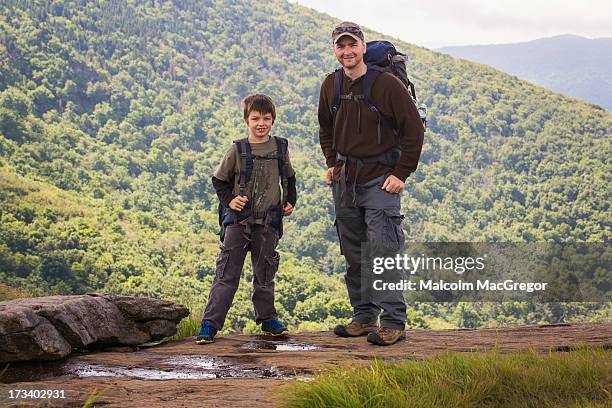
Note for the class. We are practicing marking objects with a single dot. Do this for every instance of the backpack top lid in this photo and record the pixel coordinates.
(383, 56)
(379, 52)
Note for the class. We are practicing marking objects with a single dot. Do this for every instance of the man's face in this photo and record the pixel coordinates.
(349, 51)
(259, 124)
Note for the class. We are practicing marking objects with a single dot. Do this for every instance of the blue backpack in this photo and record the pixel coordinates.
(380, 56)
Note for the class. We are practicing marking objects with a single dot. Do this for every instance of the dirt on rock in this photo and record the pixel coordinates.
(241, 370)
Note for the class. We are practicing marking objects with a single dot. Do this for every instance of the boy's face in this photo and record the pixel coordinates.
(259, 124)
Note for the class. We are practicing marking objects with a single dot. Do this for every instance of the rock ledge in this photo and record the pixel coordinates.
(49, 328)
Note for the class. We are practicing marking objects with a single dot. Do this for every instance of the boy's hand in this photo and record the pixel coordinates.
(287, 209)
(238, 203)
(329, 176)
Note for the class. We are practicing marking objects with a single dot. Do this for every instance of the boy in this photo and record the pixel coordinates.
(247, 184)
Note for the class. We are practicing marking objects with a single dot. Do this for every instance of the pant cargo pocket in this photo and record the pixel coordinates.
(393, 232)
(222, 261)
(271, 268)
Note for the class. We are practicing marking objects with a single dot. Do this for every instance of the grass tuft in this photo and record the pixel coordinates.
(579, 378)
(94, 396)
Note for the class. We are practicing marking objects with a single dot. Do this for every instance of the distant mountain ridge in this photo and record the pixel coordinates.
(568, 64)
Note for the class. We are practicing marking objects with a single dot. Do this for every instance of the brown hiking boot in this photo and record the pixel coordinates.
(355, 329)
(385, 336)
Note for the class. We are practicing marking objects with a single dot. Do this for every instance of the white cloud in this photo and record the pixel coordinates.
(446, 22)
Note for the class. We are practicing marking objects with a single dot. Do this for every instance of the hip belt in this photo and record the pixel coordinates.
(389, 158)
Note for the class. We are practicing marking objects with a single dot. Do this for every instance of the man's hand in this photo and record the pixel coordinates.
(393, 185)
(329, 177)
(238, 203)
(287, 209)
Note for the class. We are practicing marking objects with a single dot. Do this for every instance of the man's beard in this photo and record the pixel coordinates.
(351, 65)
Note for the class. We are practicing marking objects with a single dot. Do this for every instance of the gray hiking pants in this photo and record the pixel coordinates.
(369, 225)
(262, 243)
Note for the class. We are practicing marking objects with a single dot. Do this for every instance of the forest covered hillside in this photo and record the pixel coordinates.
(114, 114)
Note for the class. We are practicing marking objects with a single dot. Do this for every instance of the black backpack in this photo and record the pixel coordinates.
(380, 56)
(227, 215)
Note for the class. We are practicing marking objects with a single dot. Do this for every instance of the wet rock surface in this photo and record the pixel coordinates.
(49, 328)
(278, 346)
(248, 370)
(143, 365)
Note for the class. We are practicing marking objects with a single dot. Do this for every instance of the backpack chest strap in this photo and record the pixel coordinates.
(352, 97)
(372, 73)
(357, 98)
(246, 157)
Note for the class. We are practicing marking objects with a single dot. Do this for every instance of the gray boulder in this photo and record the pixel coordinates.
(49, 328)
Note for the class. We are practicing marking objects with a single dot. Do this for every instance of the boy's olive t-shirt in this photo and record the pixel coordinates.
(263, 190)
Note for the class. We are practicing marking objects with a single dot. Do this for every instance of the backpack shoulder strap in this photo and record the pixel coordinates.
(370, 77)
(282, 146)
(338, 87)
(246, 164)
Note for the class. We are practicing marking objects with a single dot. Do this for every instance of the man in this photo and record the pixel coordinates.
(367, 179)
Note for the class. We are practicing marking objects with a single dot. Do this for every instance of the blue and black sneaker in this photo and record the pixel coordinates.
(273, 327)
(207, 333)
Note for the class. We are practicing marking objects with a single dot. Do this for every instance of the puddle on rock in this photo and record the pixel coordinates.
(196, 360)
(266, 345)
(185, 366)
(98, 370)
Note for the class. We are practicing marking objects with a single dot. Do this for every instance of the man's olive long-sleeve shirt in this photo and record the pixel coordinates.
(358, 137)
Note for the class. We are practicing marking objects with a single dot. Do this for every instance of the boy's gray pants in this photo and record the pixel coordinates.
(372, 219)
(262, 243)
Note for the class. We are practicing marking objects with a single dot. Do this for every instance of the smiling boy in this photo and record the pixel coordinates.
(247, 184)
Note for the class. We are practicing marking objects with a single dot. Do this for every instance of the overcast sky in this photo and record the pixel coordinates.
(438, 23)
